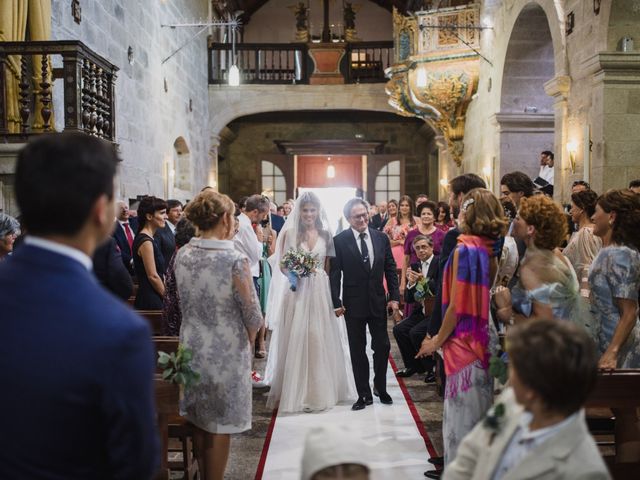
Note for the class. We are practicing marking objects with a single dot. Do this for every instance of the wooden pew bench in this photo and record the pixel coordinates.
(170, 424)
(617, 389)
(154, 317)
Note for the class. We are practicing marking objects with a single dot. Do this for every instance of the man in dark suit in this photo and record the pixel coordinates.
(166, 237)
(380, 219)
(78, 365)
(110, 271)
(410, 332)
(124, 231)
(363, 257)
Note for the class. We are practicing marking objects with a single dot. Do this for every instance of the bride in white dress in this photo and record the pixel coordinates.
(309, 367)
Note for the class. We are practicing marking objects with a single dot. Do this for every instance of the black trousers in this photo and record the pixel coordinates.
(409, 335)
(357, 333)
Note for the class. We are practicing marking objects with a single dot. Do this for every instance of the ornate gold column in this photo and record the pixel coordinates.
(13, 26)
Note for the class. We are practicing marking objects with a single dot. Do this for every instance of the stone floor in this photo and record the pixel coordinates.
(246, 448)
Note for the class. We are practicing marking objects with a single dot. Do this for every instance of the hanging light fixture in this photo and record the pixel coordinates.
(234, 71)
(331, 170)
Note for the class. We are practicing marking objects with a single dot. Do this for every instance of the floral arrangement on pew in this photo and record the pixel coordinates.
(176, 367)
(298, 263)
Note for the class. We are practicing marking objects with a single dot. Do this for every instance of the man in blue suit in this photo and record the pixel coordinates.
(77, 364)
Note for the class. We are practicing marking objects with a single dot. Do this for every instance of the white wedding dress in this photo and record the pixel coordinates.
(309, 366)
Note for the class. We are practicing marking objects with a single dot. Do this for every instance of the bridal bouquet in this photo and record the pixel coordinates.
(299, 264)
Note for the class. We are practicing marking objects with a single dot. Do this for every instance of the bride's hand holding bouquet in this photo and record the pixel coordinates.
(298, 263)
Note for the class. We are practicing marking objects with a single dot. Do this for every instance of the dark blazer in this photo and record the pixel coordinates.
(166, 241)
(432, 275)
(277, 222)
(110, 271)
(123, 245)
(78, 369)
(363, 291)
(377, 222)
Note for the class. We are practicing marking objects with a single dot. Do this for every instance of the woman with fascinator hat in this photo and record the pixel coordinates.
(308, 367)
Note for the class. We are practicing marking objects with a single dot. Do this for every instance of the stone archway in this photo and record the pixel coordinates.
(526, 116)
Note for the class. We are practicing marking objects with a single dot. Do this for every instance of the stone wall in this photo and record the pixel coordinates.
(275, 23)
(239, 172)
(150, 118)
(593, 90)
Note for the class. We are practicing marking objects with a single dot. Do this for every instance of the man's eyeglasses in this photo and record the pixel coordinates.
(362, 215)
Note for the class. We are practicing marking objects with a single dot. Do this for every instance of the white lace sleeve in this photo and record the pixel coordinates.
(246, 297)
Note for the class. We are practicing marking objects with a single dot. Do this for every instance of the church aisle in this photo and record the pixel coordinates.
(397, 448)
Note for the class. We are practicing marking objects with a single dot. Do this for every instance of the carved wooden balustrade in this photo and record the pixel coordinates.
(367, 61)
(89, 88)
(287, 63)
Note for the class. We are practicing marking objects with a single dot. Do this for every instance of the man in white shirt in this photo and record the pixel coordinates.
(544, 181)
(247, 241)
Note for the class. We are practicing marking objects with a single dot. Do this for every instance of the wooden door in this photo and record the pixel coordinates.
(312, 171)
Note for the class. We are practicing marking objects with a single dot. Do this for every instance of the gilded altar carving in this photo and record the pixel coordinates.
(436, 47)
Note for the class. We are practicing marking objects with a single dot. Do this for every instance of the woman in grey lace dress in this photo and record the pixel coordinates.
(220, 318)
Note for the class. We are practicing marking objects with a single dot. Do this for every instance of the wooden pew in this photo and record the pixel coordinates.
(617, 389)
(154, 317)
(170, 423)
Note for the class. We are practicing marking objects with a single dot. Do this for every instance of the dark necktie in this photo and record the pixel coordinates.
(364, 251)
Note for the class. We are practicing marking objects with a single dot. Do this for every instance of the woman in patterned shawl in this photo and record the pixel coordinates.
(467, 334)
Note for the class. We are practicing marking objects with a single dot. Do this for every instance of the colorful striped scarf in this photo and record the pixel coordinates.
(469, 342)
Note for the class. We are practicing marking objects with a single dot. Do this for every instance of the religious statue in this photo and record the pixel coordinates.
(349, 13)
(301, 14)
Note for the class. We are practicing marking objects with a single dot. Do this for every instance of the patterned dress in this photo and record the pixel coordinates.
(615, 273)
(219, 305)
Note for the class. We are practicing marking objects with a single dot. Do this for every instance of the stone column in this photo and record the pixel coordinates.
(212, 178)
(615, 119)
(558, 88)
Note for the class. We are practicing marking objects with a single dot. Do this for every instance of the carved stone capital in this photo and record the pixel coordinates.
(558, 87)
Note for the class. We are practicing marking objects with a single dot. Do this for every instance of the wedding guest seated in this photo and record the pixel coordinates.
(171, 313)
(410, 332)
(537, 427)
(147, 258)
(77, 363)
(9, 231)
(110, 271)
(334, 453)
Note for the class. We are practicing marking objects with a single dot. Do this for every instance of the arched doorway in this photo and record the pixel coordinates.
(526, 117)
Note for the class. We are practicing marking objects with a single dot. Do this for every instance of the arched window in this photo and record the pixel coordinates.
(274, 184)
(388, 182)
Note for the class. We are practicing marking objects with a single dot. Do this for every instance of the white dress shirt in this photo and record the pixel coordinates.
(546, 173)
(60, 249)
(121, 223)
(367, 241)
(525, 440)
(246, 242)
(172, 227)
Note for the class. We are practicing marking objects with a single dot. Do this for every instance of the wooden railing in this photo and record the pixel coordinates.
(89, 89)
(270, 63)
(286, 63)
(365, 62)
